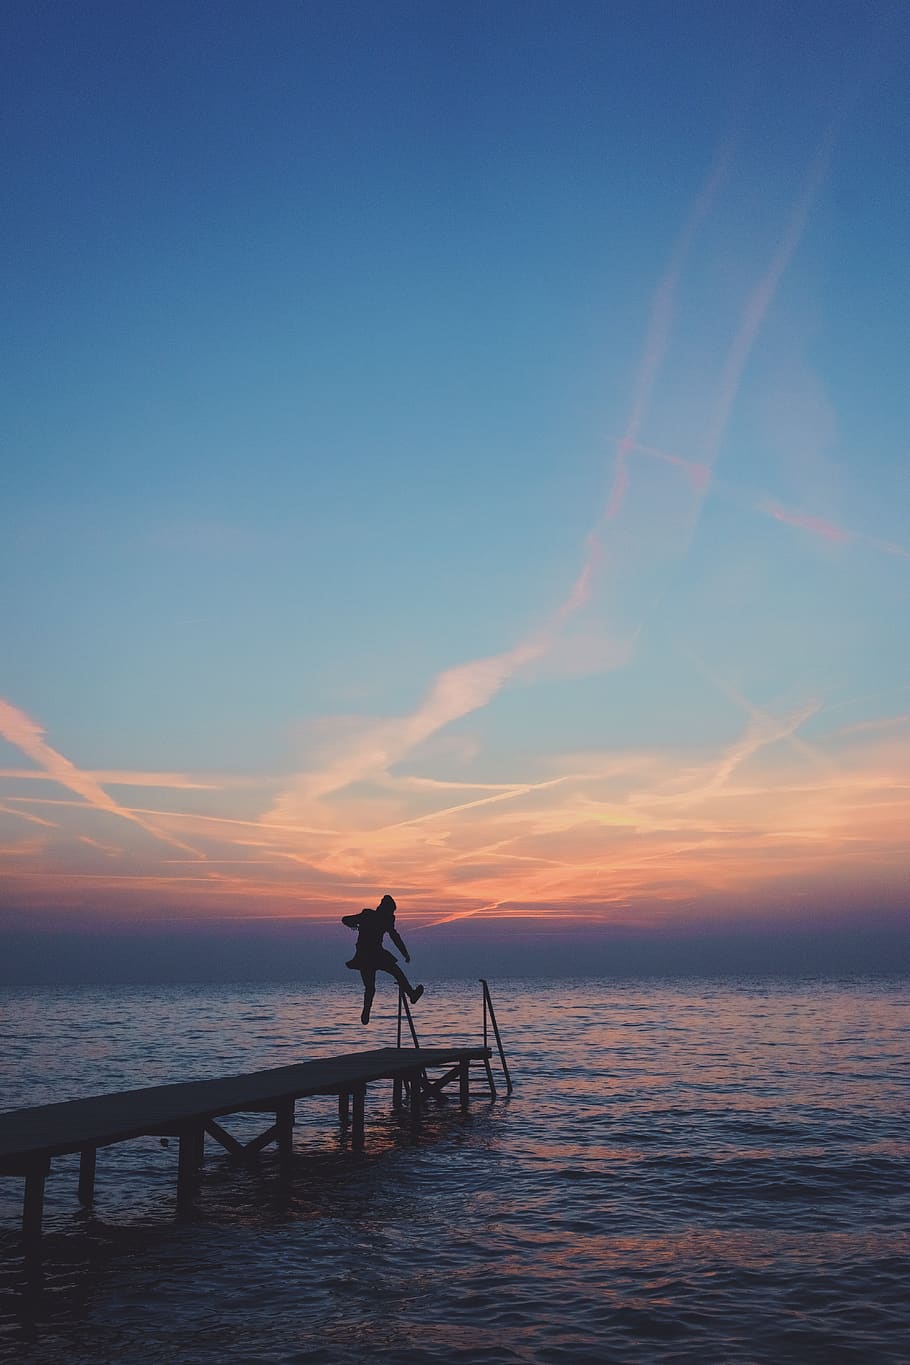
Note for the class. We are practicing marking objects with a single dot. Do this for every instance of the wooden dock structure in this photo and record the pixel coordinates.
(190, 1111)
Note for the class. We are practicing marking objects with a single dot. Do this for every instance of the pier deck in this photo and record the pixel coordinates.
(189, 1110)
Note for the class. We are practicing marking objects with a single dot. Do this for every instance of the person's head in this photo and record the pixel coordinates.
(388, 905)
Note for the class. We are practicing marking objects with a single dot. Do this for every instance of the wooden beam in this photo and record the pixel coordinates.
(87, 1158)
(229, 1143)
(344, 1105)
(254, 1147)
(435, 1087)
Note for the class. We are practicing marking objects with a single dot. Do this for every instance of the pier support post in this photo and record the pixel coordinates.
(284, 1126)
(87, 1158)
(416, 1102)
(187, 1168)
(359, 1096)
(32, 1214)
(344, 1100)
(464, 1069)
(396, 1093)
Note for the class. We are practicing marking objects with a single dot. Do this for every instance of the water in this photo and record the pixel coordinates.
(706, 1172)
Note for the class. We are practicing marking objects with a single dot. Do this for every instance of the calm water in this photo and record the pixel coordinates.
(705, 1172)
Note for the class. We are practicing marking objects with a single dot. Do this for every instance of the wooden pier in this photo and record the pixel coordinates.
(190, 1110)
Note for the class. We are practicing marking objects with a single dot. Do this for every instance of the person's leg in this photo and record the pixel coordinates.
(412, 992)
(369, 990)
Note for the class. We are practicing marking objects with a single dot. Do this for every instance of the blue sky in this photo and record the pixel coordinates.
(326, 323)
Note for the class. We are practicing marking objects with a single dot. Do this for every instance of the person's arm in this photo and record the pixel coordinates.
(399, 944)
(352, 921)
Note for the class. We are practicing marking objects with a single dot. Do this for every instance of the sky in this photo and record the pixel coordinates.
(458, 451)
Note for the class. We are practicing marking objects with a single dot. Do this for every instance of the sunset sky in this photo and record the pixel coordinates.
(458, 450)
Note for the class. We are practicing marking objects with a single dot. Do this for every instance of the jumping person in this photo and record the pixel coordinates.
(370, 956)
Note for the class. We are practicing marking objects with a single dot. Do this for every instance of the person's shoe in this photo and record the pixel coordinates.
(365, 1015)
(416, 993)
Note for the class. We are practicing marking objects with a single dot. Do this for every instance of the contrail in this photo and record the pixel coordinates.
(461, 914)
(761, 297)
(115, 778)
(25, 815)
(28, 736)
(699, 475)
(765, 725)
(518, 790)
(458, 691)
(663, 307)
(817, 525)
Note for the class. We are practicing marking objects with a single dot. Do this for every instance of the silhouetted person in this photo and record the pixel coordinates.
(370, 956)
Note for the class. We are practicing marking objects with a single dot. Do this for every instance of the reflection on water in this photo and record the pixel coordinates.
(701, 1172)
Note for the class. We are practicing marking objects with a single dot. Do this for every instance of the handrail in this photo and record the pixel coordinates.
(489, 1017)
(488, 1009)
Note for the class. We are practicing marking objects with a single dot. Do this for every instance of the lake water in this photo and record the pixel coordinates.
(712, 1171)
